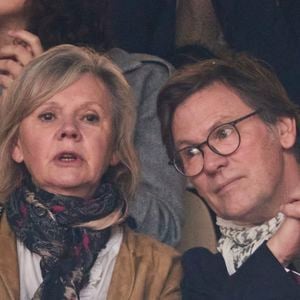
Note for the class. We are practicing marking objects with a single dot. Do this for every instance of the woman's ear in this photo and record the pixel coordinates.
(287, 131)
(17, 152)
(114, 160)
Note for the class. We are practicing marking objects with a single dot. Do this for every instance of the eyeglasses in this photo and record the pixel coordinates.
(223, 140)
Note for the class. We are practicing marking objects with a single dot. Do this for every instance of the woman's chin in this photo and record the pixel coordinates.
(69, 187)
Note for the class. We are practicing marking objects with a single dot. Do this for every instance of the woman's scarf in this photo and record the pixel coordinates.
(67, 232)
(238, 242)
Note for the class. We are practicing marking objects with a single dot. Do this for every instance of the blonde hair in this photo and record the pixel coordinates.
(47, 75)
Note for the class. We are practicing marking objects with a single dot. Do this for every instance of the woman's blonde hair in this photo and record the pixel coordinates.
(47, 75)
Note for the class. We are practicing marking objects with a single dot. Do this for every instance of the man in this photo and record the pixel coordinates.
(230, 127)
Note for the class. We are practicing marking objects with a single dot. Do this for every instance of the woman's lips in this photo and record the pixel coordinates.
(68, 158)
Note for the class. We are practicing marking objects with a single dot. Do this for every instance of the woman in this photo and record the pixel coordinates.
(29, 26)
(68, 169)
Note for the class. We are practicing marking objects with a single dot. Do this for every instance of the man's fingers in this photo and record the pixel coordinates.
(17, 52)
(10, 67)
(291, 209)
(29, 39)
(5, 81)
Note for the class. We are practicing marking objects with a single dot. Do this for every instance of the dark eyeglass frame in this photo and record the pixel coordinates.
(206, 142)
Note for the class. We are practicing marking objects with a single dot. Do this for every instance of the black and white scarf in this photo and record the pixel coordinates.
(238, 242)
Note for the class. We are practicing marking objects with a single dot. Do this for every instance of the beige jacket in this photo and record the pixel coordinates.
(145, 269)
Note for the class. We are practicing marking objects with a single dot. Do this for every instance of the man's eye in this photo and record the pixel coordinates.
(48, 116)
(191, 152)
(223, 133)
(91, 118)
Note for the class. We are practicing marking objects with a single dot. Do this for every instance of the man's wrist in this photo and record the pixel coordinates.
(276, 249)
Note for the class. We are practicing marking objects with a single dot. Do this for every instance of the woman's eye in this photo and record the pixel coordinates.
(49, 116)
(91, 118)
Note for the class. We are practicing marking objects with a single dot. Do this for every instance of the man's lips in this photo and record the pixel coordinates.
(221, 186)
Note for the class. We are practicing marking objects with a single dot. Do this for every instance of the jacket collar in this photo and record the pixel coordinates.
(9, 271)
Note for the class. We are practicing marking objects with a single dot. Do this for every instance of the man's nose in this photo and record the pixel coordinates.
(213, 162)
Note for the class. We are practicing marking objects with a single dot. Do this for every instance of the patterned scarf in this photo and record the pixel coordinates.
(237, 242)
(52, 226)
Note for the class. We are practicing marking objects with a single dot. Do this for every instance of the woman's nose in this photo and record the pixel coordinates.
(69, 130)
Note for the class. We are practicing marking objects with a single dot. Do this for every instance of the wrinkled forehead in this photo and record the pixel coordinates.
(50, 90)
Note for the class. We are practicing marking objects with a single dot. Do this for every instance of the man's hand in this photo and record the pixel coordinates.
(285, 244)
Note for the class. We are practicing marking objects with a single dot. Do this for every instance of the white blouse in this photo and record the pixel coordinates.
(100, 275)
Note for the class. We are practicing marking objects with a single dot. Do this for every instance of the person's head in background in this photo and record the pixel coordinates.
(230, 127)
(28, 27)
(76, 22)
(191, 54)
(58, 22)
(40, 96)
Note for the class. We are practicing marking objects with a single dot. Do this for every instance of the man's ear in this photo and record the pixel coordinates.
(287, 131)
(17, 152)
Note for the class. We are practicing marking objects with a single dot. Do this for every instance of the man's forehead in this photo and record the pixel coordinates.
(211, 103)
(206, 109)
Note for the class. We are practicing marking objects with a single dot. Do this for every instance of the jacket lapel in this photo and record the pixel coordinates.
(122, 282)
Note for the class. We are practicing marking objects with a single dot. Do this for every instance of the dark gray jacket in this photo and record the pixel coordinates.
(157, 207)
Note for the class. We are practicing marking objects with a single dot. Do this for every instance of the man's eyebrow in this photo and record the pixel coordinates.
(184, 143)
(187, 142)
(222, 120)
